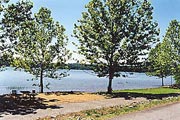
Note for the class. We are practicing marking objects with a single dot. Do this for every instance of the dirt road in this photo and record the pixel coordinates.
(169, 112)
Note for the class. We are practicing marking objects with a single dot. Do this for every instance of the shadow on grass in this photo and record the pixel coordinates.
(18, 105)
(131, 95)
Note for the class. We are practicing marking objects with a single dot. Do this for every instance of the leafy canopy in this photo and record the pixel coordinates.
(40, 42)
(173, 36)
(161, 59)
(115, 33)
(5, 44)
(41, 45)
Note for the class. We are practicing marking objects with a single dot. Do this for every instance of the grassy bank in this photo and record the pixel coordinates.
(110, 112)
(160, 90)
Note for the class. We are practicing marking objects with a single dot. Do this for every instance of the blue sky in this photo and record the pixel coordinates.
(164, 12)
(67, 12)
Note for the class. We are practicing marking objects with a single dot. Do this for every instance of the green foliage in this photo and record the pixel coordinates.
(164, 58)
(20, 12)
(41, 42)
(113, 33)
(173, 44)
(177, 76)
(161, 60)
(2, 6)
(173, 34)
(5, 60)
(5, 44)
(15, 14)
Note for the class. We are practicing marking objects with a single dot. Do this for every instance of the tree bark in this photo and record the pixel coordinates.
(162, 82)
(41, 81)
(109, 86)
(162, 78)
(111, 75)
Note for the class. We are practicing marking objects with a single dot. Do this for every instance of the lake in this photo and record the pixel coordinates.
(78, 80)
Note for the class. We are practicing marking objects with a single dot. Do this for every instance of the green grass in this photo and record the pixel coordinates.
(160, 90)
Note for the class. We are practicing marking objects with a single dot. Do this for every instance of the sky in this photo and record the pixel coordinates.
(67, 12)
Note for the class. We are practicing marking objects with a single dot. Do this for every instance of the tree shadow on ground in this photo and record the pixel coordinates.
(131, 95)
(18, 105)
(65, 93)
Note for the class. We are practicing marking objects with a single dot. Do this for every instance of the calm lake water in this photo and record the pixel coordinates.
(78, 80)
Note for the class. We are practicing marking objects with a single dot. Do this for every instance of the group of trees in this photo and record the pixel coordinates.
(164, 59)
(111, 34)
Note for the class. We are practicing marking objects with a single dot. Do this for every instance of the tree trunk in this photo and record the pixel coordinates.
(41, 81)
(111, 75)
(109, 86)
(162, 82)
(162, 77)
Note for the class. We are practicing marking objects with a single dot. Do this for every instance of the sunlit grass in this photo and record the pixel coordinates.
(160, 90)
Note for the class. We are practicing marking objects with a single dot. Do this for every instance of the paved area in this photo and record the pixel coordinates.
(169, 112)
(70, 107)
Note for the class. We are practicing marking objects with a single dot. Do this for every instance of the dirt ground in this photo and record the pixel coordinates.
(55, 103)
(60, 98)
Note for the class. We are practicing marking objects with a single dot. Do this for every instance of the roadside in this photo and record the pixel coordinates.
(167, 112)
(112, 112)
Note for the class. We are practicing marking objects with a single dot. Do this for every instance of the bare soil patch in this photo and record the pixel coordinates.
(61, 98)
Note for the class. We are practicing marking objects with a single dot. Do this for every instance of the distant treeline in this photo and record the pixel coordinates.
(78, 66)
(133, 69)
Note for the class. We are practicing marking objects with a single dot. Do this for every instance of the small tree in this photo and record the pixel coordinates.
(41, 45)
(173, 36)
(114, 33)
(161, 60)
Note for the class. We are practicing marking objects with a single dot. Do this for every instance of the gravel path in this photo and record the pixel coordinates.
(168, 112)
(70, 107)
